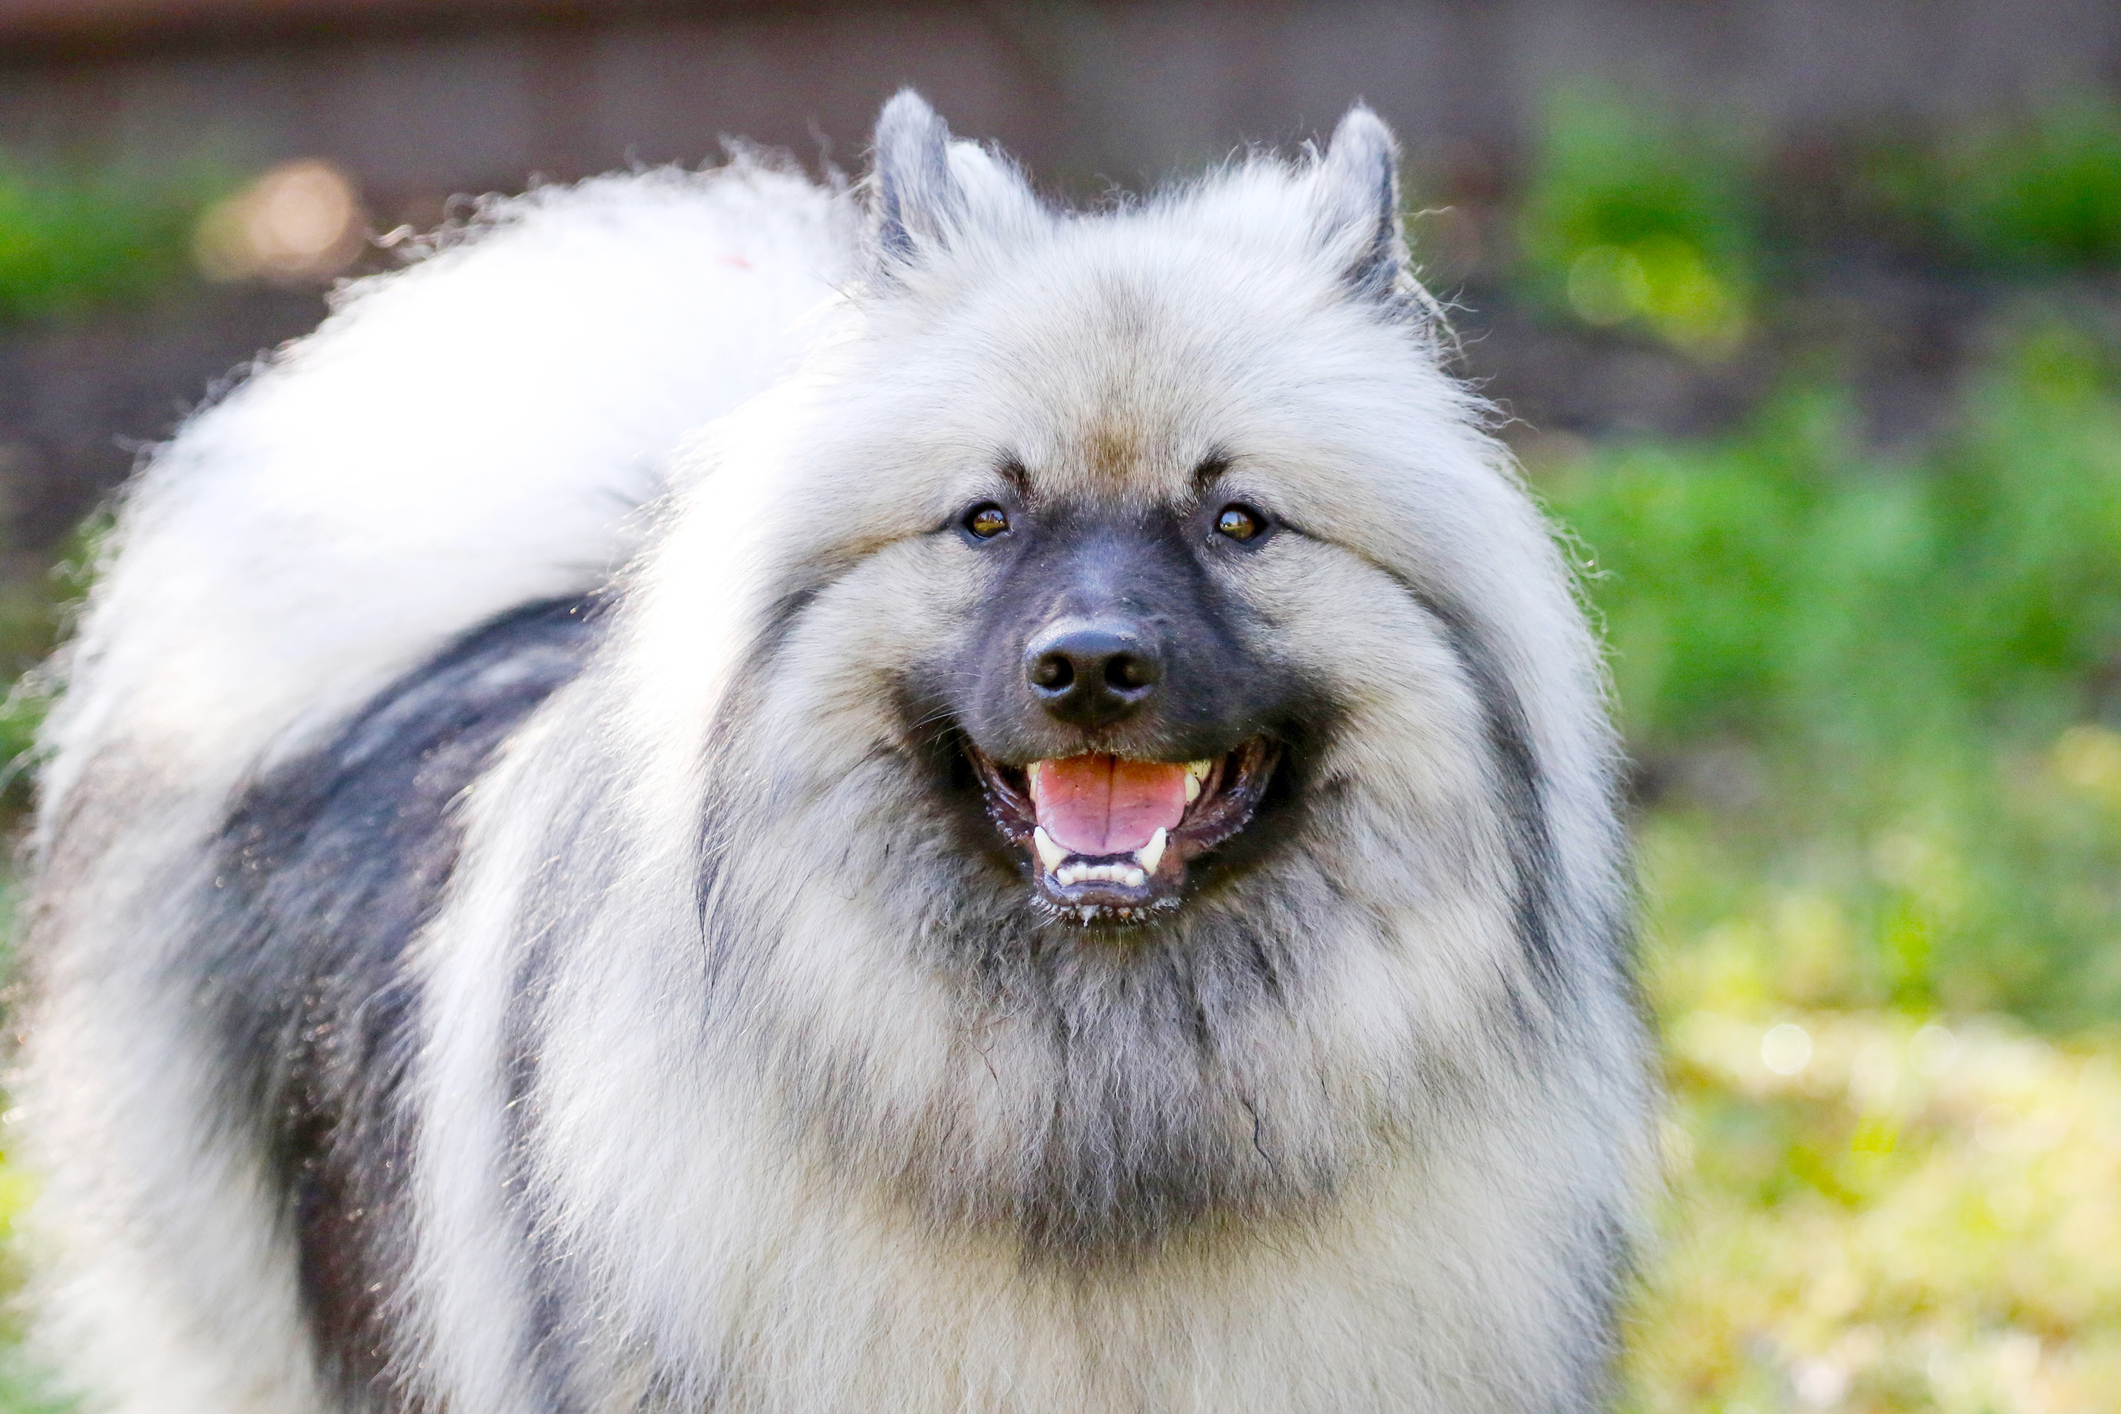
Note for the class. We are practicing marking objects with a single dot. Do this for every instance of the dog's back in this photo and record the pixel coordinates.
(328, 598)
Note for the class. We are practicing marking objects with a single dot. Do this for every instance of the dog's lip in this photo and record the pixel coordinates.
(1130, 886)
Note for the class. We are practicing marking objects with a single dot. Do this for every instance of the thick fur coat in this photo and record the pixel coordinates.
(546, 886)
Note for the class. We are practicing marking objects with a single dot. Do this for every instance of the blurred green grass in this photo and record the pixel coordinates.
(1876, 698)
(1633, 218)
(1876, 650)
(1875, 694)
(75, 239)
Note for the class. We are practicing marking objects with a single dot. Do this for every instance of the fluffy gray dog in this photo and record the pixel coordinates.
(731, 796)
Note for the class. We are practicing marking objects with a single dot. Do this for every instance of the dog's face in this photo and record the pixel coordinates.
(1120, 562)
(1119, 701)
(1120, 647)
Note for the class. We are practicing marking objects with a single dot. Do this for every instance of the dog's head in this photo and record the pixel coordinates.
(1118, 696)
(1123, 718)
(1139, 535)
(1107, 568)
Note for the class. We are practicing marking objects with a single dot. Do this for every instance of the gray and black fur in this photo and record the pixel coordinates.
(325, 872)
(504, 948)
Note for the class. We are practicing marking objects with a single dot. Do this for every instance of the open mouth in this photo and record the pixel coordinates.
(1110, 838)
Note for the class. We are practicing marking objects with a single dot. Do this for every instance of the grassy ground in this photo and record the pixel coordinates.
(1874, 696)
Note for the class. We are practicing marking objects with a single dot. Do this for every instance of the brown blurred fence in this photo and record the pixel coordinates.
(418, 96)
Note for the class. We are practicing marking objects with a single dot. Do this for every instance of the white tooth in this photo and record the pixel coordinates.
(1152, 854)
(1134, 878)
(1196, 773)
(1048, 851)
(1192, 788)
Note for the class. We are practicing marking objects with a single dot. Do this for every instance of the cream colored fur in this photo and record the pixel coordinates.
(774, 1140)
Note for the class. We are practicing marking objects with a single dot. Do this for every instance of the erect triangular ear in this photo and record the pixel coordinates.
(919, 203)
(1357, 188)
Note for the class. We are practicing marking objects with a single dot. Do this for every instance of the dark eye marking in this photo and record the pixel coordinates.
(985, 521)
(1211, 467)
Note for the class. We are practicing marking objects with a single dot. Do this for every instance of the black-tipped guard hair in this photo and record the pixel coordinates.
(919, 204)
(1357, 182)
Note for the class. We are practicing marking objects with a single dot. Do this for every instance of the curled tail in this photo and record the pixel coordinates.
(471, 433)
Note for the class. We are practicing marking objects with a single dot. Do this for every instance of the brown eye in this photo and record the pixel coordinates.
(987, 521)
(1240, 522)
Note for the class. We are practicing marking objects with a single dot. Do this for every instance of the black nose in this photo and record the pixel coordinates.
(1089, 674)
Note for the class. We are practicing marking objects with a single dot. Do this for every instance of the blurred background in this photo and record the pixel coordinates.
(1806, 315)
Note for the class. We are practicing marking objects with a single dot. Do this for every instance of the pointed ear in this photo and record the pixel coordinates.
(919, 203)
(1357, 188)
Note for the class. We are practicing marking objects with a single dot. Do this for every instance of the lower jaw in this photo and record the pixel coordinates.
(1109, 901)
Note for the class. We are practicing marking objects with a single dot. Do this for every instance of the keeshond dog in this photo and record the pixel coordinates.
(733, 795)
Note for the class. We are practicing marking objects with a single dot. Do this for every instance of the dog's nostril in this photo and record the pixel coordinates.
(1128, 673)
(1053, 672)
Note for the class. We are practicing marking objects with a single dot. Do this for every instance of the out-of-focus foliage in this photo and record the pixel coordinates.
(24, 1387)
(1876, 696)
(1786, 581)
(70, 239)
(1881, 653)
(2035, 193)
(32, 617)
(1631, 219)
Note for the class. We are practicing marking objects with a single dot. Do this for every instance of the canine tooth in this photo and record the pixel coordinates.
(1196, 773)
(1152, 854)
(1049, 852)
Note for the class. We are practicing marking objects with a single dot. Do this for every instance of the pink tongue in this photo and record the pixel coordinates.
(1101, 804)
